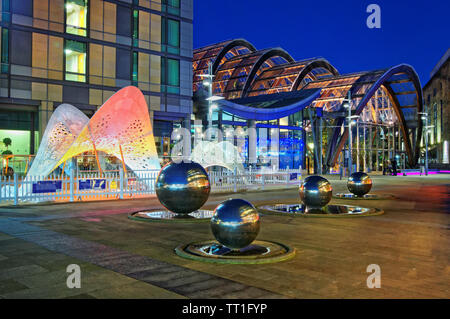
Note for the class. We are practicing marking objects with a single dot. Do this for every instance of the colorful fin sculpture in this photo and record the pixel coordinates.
(62, 129)
(120, 127)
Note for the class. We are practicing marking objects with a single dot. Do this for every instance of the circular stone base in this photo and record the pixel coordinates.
(168, 216)
(367, 196)
(259, 252)
(326, 211)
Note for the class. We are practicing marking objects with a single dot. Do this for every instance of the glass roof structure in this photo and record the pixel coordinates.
(291, 76)
(217, 54)
(234, 75)
(240, 71)
(403, 87)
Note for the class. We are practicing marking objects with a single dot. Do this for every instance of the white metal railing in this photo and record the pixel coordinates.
(115, 185)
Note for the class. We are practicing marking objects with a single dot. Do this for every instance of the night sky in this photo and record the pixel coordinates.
(414, 32)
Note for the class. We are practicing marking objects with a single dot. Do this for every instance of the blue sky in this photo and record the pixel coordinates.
(413, 32)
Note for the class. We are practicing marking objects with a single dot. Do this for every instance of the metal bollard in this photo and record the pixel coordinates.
(16, 189)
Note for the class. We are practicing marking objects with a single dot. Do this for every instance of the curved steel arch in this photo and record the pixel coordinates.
(382, 80)
(267, 55)
(316, 63)
(232, 44)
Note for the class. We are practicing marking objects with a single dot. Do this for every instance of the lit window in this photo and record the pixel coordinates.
(76, 16)
(75, 58)
(134, 74)
(170, 75)
(135, 34)
(170, 35)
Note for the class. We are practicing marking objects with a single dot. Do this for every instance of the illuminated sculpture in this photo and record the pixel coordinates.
(223, 154)
(359, 183)
(120, 127)
(315, 192)
(235, 223)
(182, 187)
(65, 124)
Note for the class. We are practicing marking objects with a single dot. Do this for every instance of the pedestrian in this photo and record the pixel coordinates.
(394, 166)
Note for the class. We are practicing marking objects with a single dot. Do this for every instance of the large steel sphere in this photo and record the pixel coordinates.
(182, 187)
(359, 183)
(315, 191)
(235, 223)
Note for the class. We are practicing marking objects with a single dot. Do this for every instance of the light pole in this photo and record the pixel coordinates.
(348, 104)
(208, 81)
(424, 117)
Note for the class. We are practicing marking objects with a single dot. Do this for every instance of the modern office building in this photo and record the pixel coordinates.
(437, 97)
(304, 104)
(82, 51)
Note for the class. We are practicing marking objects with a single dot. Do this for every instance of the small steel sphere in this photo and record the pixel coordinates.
(235, 223)
(359, 183)
(182, 187)
(315, 192)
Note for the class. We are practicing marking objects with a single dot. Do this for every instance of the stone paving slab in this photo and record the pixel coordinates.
(138, 267)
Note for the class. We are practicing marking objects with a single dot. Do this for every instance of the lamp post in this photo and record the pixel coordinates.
(347, 104)
(424, 117)
(208, 82)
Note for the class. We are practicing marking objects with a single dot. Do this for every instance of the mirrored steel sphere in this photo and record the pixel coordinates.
(315, 192)
(235, 223)
(359, 183)
(182, 187)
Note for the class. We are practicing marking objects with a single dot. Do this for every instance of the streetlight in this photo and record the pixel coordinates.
(347, 104)
(424, 117)
(208, 81)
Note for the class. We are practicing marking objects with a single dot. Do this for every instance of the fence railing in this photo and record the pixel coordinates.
(118, 185)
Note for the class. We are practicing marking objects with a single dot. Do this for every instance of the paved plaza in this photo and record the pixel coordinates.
(123, 258)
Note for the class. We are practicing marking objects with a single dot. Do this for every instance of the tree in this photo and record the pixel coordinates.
(7, 141)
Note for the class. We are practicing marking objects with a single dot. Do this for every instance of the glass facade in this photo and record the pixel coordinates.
(282, 138)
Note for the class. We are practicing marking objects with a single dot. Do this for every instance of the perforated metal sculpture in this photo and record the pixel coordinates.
(120, 127)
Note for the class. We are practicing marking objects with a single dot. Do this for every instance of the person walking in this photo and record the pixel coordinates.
(394, 166)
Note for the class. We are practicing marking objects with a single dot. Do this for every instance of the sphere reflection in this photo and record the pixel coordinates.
(235, 223)
(182, 187)
(315, 192)
(359, 183)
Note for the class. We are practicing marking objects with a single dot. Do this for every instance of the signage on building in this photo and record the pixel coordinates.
(47, 187)
(92, 184)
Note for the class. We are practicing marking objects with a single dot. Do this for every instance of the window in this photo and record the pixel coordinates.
(123, 64)
(5, 51)
(170, 75)
(6, 14)
(123, 21)
(20, 46)
(135, 27)
(76, 16)
(134, 75)
(170, 35)
(75, 60)
(171, 6)
(22, 7)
